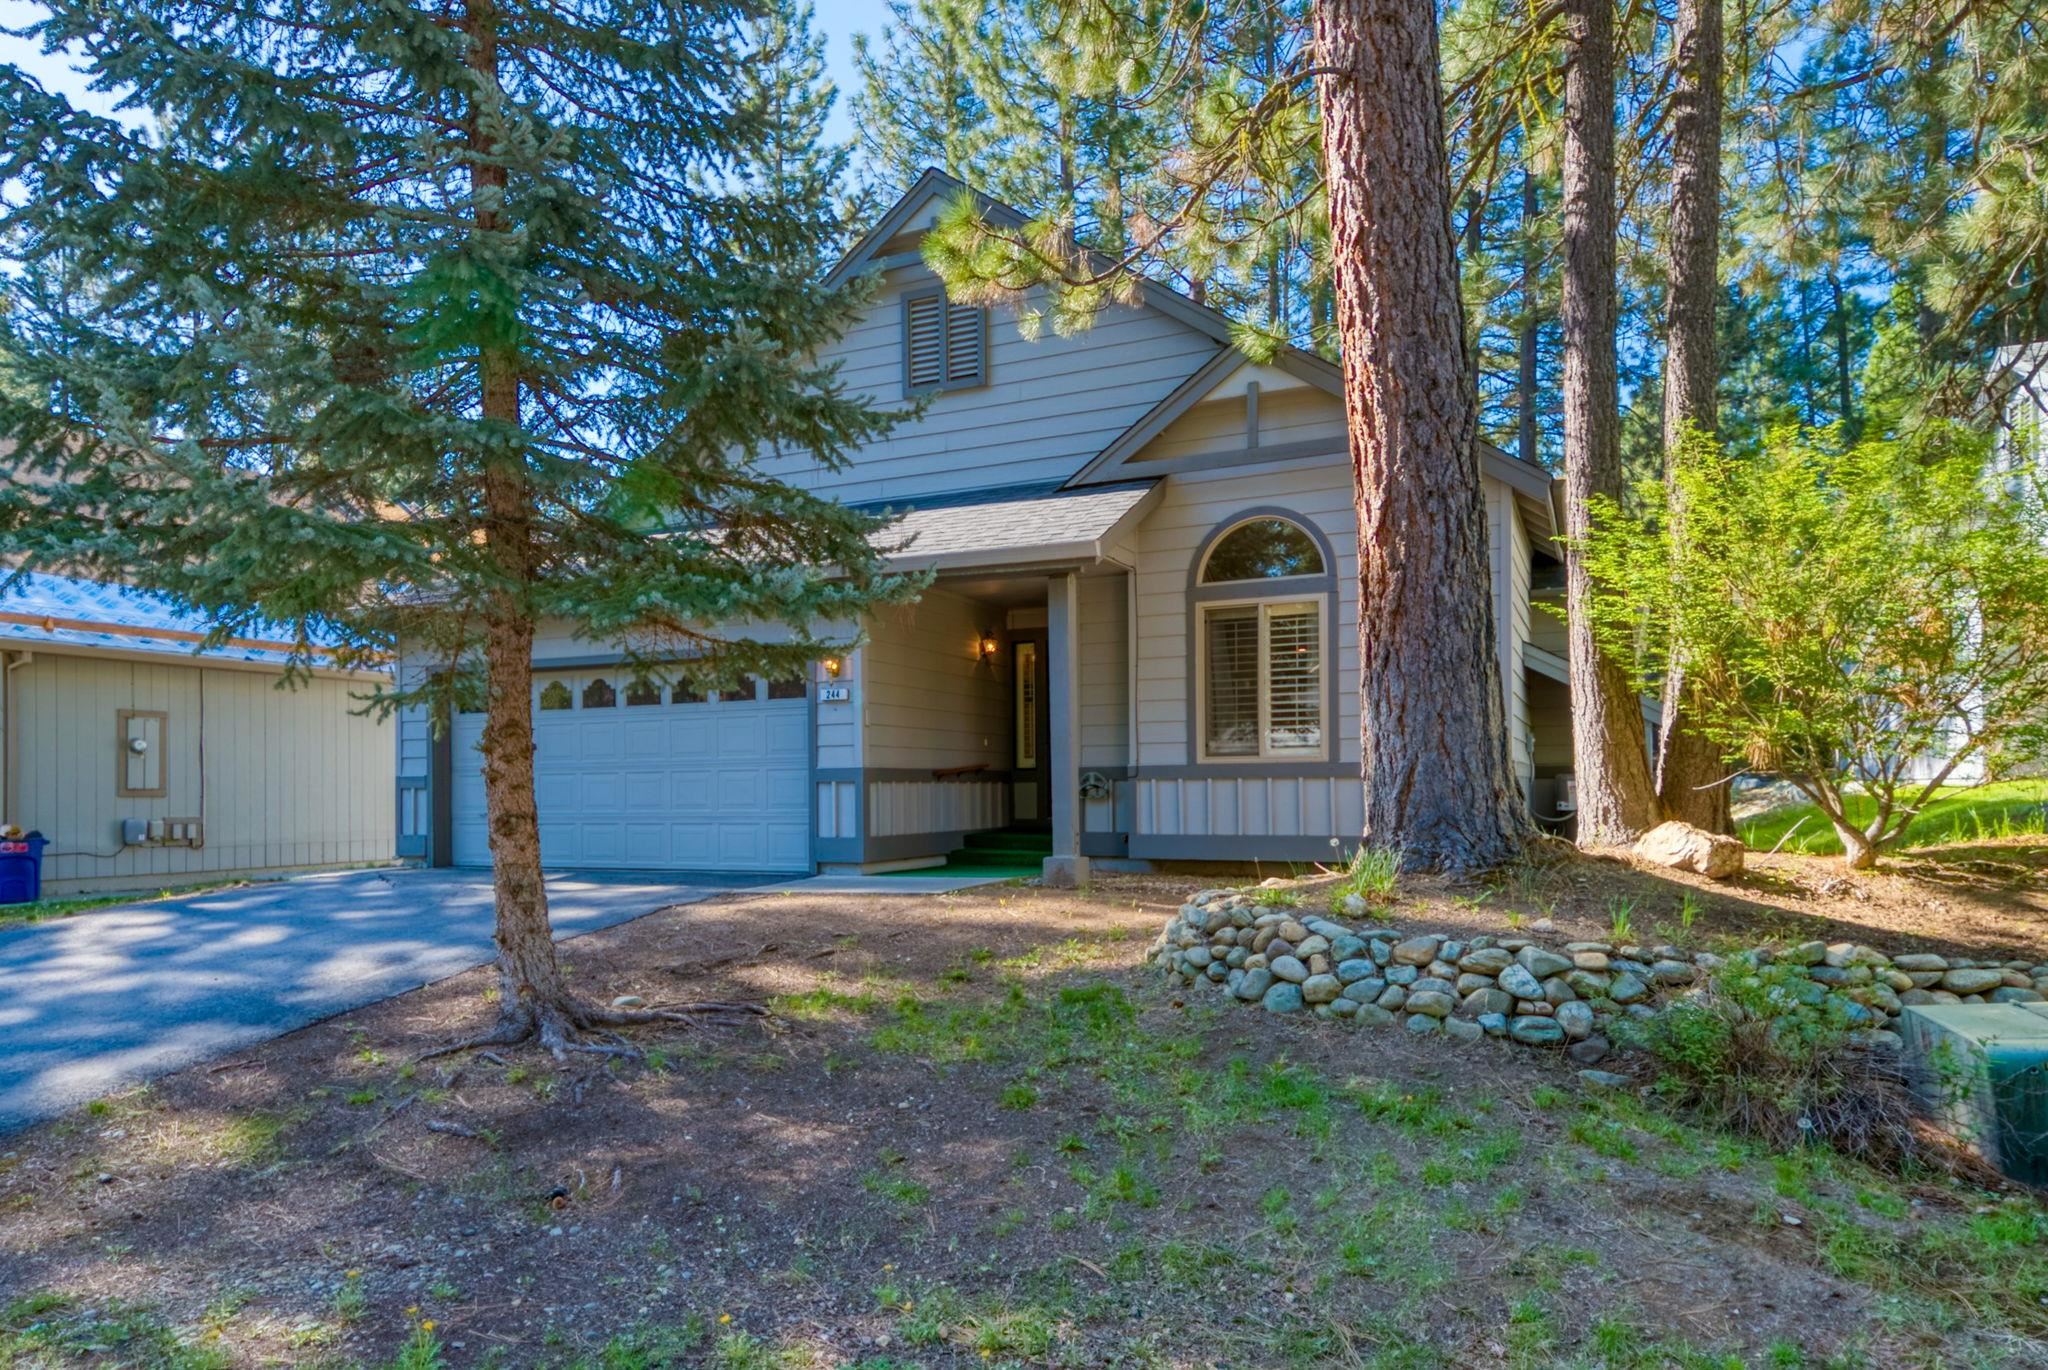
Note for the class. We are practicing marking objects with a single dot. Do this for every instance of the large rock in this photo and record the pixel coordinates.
(1536, 1032)
(1542, 964)
(1417, 951)
(1517, 980)
(1971, 980)
(1283, 998)
(1681, 846)
(1320, 989)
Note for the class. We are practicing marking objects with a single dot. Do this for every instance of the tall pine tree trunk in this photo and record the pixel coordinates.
(1617, 797)
(1438, 784)
(530, 981)
(1691, 773)
(1525, 381)
(534, 997)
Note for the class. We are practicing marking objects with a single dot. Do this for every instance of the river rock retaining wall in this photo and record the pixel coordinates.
(1511, 986)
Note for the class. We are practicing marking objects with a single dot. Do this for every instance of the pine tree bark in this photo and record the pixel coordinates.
(1617, 797)
(1438, 782)
(533, 995)
(1691, 772)
(1525, 380)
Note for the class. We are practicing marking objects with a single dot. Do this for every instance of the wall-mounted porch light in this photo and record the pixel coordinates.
(833, 666)
(989, 645)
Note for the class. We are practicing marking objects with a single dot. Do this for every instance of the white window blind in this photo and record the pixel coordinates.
(945, 346)
(1233, 667)
(1294, 676)
(1263, 690)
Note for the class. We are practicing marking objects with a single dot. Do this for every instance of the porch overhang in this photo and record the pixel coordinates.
(1018, 529)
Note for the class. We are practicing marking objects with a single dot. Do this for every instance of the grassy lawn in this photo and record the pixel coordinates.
(64, 908)
(978, 1132)
(2010, 808)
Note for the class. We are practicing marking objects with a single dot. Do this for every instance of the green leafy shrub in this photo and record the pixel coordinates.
(1767, 1052)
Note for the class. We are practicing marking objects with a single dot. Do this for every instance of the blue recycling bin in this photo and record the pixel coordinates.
(21, 869)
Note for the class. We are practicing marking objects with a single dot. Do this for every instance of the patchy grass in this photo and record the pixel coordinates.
(2010, 808)
(44, 909)
(999, 1141)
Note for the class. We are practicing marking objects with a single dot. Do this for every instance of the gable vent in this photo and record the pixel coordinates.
(945, 345)
(964, 338)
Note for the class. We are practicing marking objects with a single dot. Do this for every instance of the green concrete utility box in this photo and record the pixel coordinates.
(1982, 1069)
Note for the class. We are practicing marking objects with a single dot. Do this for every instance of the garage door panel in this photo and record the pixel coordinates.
(600, 740)
(646, 844)
(742, 845)
(787, 787)
(785, 732)
(739, 789)
(789, 844)
(646, 791)
(744, 739)
(690, 738)
(604, 793)
(706, 786)
(693, 845)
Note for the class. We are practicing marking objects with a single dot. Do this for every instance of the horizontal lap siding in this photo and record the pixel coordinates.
(1285, 416)
(1192, 506)
(1518, 625)
(928, 702)
(291, 777)
(1233, 802)
(1105, 673)
(1052, 404)
(927, 699)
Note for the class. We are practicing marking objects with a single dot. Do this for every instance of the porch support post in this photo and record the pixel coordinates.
(1066, 867)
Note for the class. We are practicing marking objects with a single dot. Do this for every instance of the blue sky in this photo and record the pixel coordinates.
(838, 20)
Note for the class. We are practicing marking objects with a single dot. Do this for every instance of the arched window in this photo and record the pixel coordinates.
(599, 694)
(642, 692)
(1261, 681)
(555, 695)
(1264, 548)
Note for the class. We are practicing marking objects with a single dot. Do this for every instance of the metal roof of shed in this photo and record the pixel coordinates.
(43, 610)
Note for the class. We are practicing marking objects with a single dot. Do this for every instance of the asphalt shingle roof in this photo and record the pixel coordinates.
(991, 522)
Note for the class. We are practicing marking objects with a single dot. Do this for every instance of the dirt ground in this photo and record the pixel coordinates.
(979, 1130)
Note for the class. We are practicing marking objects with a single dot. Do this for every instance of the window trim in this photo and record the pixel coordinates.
(1266, 605)
(946, 308)
(1319, 589)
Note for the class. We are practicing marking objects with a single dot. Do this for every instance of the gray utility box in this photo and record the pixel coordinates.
(1982, 1070)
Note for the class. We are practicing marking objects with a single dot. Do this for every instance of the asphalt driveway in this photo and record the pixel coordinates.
(116, 996)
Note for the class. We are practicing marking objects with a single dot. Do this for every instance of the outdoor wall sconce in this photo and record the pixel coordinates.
(833, 666)
(989, 646)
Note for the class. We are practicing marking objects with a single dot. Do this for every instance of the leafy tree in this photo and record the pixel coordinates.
(1850, 608)
(430, 325)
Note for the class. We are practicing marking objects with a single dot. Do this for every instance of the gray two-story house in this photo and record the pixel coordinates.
(1141, 636)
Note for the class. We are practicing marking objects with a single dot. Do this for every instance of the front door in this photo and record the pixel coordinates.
(1031, 730)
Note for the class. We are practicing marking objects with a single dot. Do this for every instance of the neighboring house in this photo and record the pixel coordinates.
(146, 765)
(1142, 636)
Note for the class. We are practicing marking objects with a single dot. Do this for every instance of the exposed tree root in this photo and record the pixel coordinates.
(572, 1027)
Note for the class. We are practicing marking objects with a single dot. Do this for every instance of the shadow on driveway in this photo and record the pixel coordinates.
(116, 996)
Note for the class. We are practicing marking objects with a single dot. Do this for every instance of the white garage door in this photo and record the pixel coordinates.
(641, 777)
